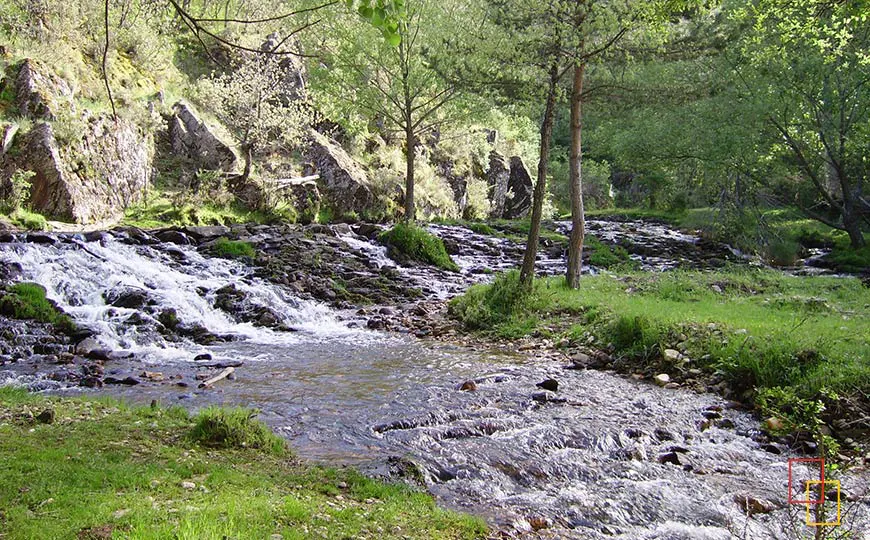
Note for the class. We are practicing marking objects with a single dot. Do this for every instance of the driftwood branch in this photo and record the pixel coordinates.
(219, 377)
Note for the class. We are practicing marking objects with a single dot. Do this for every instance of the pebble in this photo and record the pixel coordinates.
(188, 485)
(662, 379)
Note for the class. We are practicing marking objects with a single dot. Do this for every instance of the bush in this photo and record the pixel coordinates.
(637, 337)
(28, 301)
(782, 252)
(411, 243)
(16, 191)
(30, 221)
(485, 306)
(232, 249)
(219, 427)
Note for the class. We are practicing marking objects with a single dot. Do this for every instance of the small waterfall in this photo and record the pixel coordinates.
(80, 277)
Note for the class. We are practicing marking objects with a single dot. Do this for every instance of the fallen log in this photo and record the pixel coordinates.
(220, 376)
(221, 365)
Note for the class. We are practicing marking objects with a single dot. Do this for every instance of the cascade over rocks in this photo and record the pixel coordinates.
(191, 138)
(343, 179)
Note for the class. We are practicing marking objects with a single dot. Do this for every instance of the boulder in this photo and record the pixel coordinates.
(343, 180)
(304, 195)
(191, 138)
(497, 177)
(518, 200)
(88, 180)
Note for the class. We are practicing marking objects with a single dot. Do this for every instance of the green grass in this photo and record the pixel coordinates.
(28, 301)
(161, 212)
(411, 243)
(233, 249)
(105, 466)
(25, 219)
(219, 427)
(768, 329)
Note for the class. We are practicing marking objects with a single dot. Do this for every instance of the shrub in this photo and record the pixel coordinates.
(637, 337)
(219, 427)
(28, 301)
(485, 306)
(232, 249)
(30, 221)
(17, 191)
(411, 243)
(782, 252)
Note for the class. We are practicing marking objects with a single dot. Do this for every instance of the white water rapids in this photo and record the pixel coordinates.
(586, 460)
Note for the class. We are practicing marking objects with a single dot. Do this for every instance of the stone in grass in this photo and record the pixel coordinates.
(46, 416)
(188, 485)
(662, 379)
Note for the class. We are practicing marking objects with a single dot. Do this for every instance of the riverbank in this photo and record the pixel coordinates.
(784, 345)
(96, 469)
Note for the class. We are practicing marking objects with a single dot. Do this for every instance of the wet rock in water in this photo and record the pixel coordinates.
(548, 397)
(172, 236)
(549, 384)
(98, 354)
(376, 324)
(724, 423)
(662, 379)
(468, 386)
(91, 382)
(46, 416)
(663, 435)
(771, 448)
(127, 381)
(204, 356)
(154, 376)
(671, 457)
(751, 504)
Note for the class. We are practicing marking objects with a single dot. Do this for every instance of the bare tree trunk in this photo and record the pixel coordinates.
(527, 274)
(248, 151)
(578, 221)
(852, 218)
(410, 143)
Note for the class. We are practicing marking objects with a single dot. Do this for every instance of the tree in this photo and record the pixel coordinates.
(808, 61)
(260, 102)
(395, 80)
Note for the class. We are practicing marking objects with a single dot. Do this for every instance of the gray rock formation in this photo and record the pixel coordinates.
(191, 138)
(510, 187)
(39, 93)
(520, 190)
(305, 197)
(343, 180)
(91, 180)
(497, 176)
(98, 169)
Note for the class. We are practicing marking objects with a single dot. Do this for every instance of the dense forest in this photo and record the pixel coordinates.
(537, 269)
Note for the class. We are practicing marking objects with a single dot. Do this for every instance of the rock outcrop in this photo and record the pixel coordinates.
(191, 138)
(497, 176)
(98, 168)
(343, 180)
(510, 187)
(520, 189)
(39, 93)
(89, 180)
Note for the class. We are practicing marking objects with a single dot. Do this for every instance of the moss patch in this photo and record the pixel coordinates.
(411, 243)
(233, 249)
(28, 301)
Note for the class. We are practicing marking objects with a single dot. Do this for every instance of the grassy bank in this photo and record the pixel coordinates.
(410, 243)
(758, 329)
(101, 469)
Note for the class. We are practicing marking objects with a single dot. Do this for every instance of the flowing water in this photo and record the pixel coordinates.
(603, 457)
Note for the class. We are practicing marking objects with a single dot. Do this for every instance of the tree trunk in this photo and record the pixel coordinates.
(248, 152)
(527, 274)
(410, 209)
(852, 219)
(578, 221)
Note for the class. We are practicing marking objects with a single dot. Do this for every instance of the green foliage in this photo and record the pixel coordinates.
(487, 306)
(412, 243)
(219, 427)
(106, 466)
(28, 220)
(28, 301)
(233, 249)
(636, 337)
(17, 191)
(759, 328)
